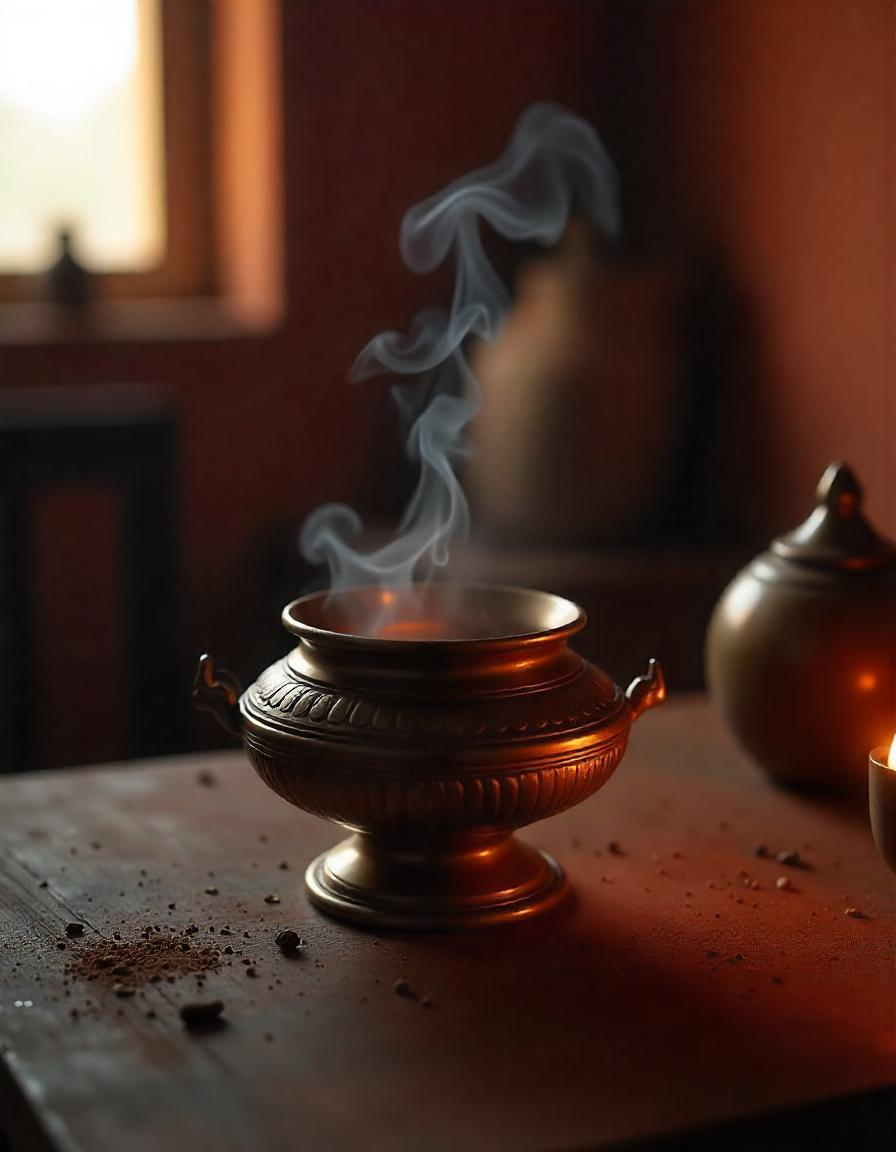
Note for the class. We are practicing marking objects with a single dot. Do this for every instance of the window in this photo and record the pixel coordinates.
(81, 133)
(151, 128)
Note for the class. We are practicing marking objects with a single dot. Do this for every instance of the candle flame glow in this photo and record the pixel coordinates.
(891, 759)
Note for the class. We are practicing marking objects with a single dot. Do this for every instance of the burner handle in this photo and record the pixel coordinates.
(647, 691)
(217, 691)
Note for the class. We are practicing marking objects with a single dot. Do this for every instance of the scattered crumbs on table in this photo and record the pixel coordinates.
(289, 941)
(201, 1013)
(272, 898)
(131, 964)
(210, 890)
(855, 913)
(784, 883)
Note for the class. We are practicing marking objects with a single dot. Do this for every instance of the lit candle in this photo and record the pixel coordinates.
(882, 800)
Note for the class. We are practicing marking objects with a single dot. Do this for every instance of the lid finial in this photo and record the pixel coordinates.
(837, 535)
(839, 489)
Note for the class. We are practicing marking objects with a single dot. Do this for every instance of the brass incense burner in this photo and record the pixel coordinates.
(432, 723)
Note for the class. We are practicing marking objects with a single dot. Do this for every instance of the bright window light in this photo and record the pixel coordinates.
(81, 133)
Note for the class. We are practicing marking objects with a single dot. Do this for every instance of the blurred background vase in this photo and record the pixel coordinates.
(801, 648)
(581, 426)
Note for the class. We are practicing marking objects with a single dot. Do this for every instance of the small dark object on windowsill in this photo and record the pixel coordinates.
(201, 1013)
(74, 929)
(68, 283)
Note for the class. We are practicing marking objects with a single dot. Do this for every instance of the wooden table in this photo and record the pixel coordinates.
(673, 994)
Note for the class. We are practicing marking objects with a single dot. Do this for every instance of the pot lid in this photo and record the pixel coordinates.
(837, 534)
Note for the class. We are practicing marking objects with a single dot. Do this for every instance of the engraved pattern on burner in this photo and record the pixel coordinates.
(280, 692)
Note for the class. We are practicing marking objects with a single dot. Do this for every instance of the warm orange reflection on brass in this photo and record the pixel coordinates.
(432, 733)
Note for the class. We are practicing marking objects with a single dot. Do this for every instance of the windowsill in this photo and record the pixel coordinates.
(139, 321)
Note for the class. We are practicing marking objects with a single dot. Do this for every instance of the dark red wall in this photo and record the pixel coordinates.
(768, 141)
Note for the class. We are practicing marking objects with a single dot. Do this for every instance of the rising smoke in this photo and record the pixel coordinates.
(554, 162)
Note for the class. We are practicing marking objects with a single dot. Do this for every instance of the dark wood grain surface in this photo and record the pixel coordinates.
(670, 993)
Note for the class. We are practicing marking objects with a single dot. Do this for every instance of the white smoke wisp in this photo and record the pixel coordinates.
(553, 162)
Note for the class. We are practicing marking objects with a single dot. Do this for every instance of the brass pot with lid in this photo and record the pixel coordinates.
(801, 647)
